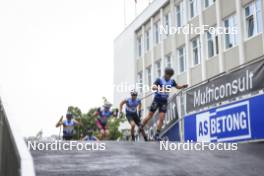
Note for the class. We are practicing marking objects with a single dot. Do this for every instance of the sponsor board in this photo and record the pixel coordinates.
(238, 121)
(230, 85)
(172, 134)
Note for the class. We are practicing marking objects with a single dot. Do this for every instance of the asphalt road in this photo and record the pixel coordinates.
(138, 159)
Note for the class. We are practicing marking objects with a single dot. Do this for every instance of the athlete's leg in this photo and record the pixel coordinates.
(153, 108)
(162, 112)
(99, 125)
(147, 118)
(132, 124)
(160, 121)
(106, 134)
(145, 121)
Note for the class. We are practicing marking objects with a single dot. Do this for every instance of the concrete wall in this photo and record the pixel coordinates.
(15, 159)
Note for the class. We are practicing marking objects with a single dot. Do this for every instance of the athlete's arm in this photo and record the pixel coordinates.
(139, 110)
(97, 112)
(177, 86)
(139, 107)
(77, 123)
(121, 105)
(181, 86)
(60, 122)
(156, 85)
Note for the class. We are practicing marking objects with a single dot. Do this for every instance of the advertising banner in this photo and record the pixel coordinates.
(238, 121)
(173, 133)
(242, 81)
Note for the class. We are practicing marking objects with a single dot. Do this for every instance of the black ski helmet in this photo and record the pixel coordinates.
(133, 92)
(169, 71)
(69, 115)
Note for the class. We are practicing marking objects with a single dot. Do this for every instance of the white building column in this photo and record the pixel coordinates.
(144, 75)
(187, 45)
(202, 42)
(173, 42)
(152, 46)
(162, 38)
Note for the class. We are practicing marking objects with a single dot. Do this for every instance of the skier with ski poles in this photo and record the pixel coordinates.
(104, 114)
(133, 112)
(162, 87)
(68, 126)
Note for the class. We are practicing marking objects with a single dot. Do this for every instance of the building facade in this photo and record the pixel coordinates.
(142, 50)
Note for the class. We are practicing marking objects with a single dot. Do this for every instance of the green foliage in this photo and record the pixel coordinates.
(89, 123)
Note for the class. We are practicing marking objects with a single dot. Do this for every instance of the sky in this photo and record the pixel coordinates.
(56, 53)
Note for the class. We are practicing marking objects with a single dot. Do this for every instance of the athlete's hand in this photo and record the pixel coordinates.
(184, 86)
(139, 114)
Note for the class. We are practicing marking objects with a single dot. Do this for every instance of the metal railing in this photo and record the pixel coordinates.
(15, 159)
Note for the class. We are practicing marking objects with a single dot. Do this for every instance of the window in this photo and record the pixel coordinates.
(230, 36)
(148, 74)
(139, 46)
(158, 69)
(140, 81)
(212, 44)
(253, 18)
(196, 51)
(182, 59)
(193, 8)
(208, 3)
(147, 40)
(168, 61)
(167, 22)
(156, 32)
(180, 14)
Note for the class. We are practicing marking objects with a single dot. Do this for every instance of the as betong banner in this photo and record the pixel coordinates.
(233, 84)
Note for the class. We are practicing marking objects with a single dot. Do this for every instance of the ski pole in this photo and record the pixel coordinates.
(147, 96)
(60, 133)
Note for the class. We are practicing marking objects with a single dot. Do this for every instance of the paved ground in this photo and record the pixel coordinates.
(138, 159)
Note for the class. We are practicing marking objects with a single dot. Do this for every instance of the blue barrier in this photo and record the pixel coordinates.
(239, 121)
(173, 134)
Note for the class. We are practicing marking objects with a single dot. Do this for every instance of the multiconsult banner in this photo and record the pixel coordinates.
(170, 117)
(239, 121)
(239, 82)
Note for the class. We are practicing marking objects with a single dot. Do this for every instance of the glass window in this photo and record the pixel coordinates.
(156, 32)
(212, 44)
(168, 60)
(230, 37)
(139, 46)
(158, 69)
(193, 8)
(149, 79)
(253, 18)
(147, 40)
(182, 59)
(196, 51)
(167, 22)
(140, 81)
(208, 3)
(180, 14)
